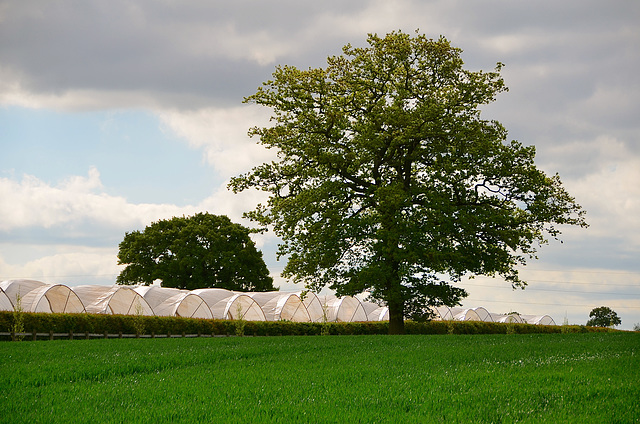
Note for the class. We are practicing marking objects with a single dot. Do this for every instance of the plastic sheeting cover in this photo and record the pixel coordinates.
(538, 319)
(510, 319)
(314, 307)
(344, 309)
(283, 306)
(174, 302)
(57, 298)
(117, 300)
(375, 312)
(18, 289)
(5, 303)
(225, 304)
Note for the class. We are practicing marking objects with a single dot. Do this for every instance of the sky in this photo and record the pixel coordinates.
(117, 114)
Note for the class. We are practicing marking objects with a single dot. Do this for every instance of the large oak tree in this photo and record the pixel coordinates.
(389, 181)
(194, 252)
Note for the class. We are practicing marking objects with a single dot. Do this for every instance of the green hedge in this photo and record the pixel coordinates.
(134, 324)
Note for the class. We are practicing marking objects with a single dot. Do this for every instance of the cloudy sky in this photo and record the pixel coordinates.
(116, 114)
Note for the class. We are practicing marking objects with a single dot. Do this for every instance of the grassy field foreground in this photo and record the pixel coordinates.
(344, 379)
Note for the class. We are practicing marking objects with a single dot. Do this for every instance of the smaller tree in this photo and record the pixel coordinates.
(194, 252)
(603, 317)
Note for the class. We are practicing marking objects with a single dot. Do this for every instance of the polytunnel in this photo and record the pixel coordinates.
(36, 296)
(5, 303)
(538, 319)
(473, 314)
(314, 307)
(443, 313)
(375, 312)
(281, 306)
(15, 289)
(116, 300)
(344, 309)
(225, 304)
(510, 318)
(167, 301)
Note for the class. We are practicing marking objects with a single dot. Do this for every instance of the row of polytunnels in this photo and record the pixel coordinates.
(214, 303)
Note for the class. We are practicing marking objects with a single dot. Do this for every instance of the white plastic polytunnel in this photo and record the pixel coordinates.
(281, 306)
(344, 309)
(167, 301)
(472, 314)
(538, 319)
(116, 300)
(225, 304)
(36, 296)
(57, 298)
(510, 318)
(375, 312)
(311, 301)
(5, 303)
(443, 313)
(18, 289)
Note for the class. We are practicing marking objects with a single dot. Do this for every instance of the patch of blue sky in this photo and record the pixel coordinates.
(136, 157)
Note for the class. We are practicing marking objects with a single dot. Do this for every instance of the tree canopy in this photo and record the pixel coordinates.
(603, 317)
(389, 181)
(194, 252)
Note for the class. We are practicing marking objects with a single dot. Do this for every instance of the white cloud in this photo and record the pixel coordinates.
(70, 265)
(79, 203)
(222, 134)
(76, 214)
(76, 200)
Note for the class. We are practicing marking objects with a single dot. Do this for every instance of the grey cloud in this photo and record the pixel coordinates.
(172, 48)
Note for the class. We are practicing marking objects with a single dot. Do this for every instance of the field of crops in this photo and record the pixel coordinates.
(344, 379)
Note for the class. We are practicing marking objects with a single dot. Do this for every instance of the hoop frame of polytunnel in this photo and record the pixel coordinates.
(225, 304)
(36, 296)
(112, 300)
(281, 306)
(167, 301)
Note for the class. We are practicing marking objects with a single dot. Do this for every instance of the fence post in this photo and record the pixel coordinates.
(50, 334)
(34, 335)
(70, 334)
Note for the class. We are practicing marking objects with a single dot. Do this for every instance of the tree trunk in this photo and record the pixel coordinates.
(396, 318)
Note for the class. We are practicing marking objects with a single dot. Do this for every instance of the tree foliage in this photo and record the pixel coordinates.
(194, 252)
(388, 180)
(603, 317)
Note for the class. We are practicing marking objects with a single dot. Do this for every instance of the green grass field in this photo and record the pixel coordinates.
(343, 379)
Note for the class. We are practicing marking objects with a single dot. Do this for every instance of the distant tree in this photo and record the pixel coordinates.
(389, 181)
(636, 326)
(603, 317)
(194, 252)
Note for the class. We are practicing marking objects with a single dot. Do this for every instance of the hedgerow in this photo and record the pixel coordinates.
(155, 325)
